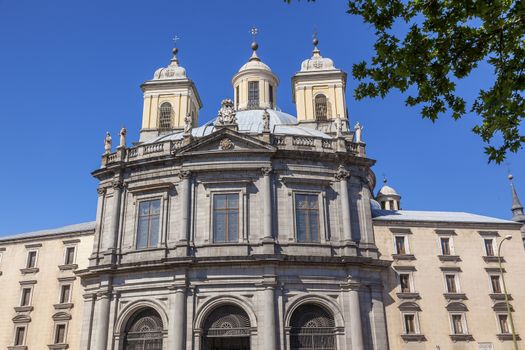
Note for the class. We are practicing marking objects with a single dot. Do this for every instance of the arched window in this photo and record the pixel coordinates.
(312, 328)
(144, 331)
(321, 107)
(227, 327)
(165, 113)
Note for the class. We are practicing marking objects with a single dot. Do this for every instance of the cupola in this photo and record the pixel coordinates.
(388, 198)
(168, 98)
(254, 85)
(318, 89)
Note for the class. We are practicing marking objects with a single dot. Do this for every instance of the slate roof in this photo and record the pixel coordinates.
(82, 227)
(435, 216)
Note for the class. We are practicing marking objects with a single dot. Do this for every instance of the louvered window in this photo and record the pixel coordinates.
(165, 114)
(321, 107)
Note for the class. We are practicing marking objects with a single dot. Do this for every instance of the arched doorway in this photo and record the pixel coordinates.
(226, 328)
(144, 331)
(312, 328)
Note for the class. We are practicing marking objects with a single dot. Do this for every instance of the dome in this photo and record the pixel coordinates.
(317, 62)
(374, 205)
(251, 122)
(172, 71)
(254, 62)
(387, 191)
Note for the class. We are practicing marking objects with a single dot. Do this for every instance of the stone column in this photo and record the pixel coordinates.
(101, 321)
(177, 321)
(342, 175)
(112, 233)
(355, 317)
(267, 204)
(98, 228)
(87, 321)
(185, 204)
(268, 332)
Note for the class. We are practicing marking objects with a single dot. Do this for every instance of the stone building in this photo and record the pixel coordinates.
(259, 230)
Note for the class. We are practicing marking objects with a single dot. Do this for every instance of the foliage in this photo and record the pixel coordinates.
(444, 42)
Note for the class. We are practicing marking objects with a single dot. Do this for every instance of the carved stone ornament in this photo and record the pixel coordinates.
(118, 184)
(226, 114)
(266, 121)
(101, 191)
(266, 171)
(342, 173)
(226, 144)
(184, 174)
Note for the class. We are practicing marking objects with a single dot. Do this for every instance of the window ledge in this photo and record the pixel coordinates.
(28, 270)
(461, 337)
(507, 336)
(17, 347)
(403, 257)
(410, 295)
(67, 267)
(62, 306)
(454, 258)
(58, 346)
(413, 337)
(455, 296)
(23, 308)
(489, 259)
(499, 296)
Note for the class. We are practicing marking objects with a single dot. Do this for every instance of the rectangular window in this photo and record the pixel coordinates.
(451, 283)
(148, 224)
(25, 300)
(400, 245)
(410, 324)
(31, 259)
(489, 247)
(404, 281)
(253, 94)
(60, 334)
(457, 324)
(69, 257)
(226, 217)
(20, 333)
(307, 217)
(237, 97)
(445, 246)
(503, 323)
(495, 283)
(270, 95)
(65, 293)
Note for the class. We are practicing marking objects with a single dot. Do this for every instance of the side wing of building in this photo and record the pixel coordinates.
(41, 297)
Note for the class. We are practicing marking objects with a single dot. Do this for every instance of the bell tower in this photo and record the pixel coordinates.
(168, 98)
(318, 90)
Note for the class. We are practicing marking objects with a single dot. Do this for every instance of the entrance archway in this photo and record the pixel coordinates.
(144, 331)
(226, 328)
(312, 328)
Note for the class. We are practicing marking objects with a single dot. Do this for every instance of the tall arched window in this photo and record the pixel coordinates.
(165, 113)
(312, 328)
(227, 327)
(321, 107)
(144, 331)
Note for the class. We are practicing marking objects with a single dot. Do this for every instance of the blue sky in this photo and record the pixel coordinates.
(71, 70)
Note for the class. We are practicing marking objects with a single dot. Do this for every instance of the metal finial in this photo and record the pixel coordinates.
(315, 40)
(510, 177)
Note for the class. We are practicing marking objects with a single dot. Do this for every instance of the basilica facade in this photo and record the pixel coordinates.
(260, 230)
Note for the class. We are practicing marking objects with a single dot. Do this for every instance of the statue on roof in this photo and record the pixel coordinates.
(122, 134)
(188, 124)
(107, 143)
(358, 132)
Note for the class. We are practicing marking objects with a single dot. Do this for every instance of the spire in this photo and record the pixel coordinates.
(517, 208)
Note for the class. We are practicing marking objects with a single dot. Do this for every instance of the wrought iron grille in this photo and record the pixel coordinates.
(321, 107)
(165, 113)
(144, 332)
(227, 321)
(312, 328)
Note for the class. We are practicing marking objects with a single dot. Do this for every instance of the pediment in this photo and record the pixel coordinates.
(61, 316)
(225, 141)
(21, 319)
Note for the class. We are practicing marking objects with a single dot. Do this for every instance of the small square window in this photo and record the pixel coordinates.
(495, 283)
(25, 299)
(404, 281)
(503, 324)
(401, 245)
(489, 246)
(226, 217)
(458, 324)
(60, 334)
(69, 257)
(307, 217)
(451, 283)
(410, 324)
(65, 293)
(20, 334)
(148, 224)
(31, 259)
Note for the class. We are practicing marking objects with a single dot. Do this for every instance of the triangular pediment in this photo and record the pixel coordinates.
(226, 141)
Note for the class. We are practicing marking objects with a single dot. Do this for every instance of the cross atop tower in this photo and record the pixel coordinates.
(254, 31)
(175, 39)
